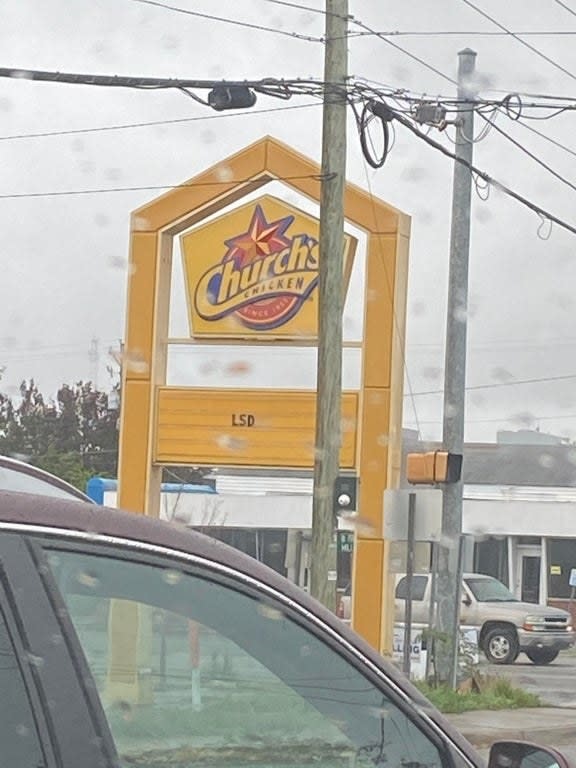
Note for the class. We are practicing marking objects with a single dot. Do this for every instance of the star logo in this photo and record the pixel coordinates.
(260, 239)
(265, 273)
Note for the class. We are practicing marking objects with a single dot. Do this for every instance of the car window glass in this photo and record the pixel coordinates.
(487, 590)
(14, 479)
(418, 588)
(191, 671)
(19, 742)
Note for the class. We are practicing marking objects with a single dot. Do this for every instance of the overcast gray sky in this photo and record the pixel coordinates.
(64, 257)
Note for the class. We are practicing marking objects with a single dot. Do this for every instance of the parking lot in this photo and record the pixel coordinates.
(555, 683)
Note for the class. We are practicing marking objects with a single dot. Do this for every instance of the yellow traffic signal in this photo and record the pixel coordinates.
(433, 467)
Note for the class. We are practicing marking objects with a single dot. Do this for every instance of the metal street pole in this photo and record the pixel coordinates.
(449, 564)
(410, 547)
(330, 306)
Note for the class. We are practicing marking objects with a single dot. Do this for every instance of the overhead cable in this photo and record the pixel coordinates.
(485, 176)
(566, 8)
(531, 154)
(498, 384)
(234, 22)
(547, 138)
(532, 48)
(153, 123)
(150, 188)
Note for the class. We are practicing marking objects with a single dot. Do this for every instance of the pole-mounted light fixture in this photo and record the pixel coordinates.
(231, 97)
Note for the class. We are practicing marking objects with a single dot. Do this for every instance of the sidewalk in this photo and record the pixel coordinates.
(543, 725)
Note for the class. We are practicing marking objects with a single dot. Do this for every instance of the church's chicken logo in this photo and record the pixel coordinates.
(264, 277)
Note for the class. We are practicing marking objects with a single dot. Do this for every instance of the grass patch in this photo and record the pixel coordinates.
(492, 693)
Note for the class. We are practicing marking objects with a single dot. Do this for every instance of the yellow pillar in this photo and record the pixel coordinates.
(380, 432)
(143, 368)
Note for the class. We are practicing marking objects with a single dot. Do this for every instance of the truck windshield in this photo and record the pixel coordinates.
(489, 590)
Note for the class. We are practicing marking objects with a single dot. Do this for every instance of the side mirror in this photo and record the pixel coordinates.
(522, 754)
(466, 600)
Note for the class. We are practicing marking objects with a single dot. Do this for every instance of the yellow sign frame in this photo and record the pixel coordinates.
(377, 448)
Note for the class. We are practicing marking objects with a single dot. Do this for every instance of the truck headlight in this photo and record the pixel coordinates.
(533, 623)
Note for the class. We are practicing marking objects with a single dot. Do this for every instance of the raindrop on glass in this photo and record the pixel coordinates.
(269, 612)
(87, 579)
(172, 577)
(224, 173)
(35, 661)
(140, 223)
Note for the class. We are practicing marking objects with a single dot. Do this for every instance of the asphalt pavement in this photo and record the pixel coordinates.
(550, 726)
(554, 683)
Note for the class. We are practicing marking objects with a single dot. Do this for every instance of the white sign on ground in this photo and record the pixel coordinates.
(469, 650)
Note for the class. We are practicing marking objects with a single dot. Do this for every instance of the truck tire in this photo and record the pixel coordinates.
(542, 655)
(500, 645)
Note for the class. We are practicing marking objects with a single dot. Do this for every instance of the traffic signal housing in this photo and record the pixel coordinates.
(433, 467)
(345, 495)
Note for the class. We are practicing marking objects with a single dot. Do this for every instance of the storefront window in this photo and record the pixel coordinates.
(561, 560)
(491, 558)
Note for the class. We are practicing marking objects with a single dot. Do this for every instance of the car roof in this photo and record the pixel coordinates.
(15, 473)
(464, 576)
(75, 516)
(23, 509)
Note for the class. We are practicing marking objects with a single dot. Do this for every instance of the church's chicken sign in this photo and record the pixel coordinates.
(254, 272)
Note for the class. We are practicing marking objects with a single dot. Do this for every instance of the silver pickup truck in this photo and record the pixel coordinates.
(506, 626)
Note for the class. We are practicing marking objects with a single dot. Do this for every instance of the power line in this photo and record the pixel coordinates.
(532, 48)
(566, 8)
(269, 86)
(530, 154)
(154, 123)
(514, 343)
(484, 176)
(234, 22)
(356, 88)
(299, 7)
(547, 101)
(547, 138)
(497, 385)
(433, 33)
(509, 419)
(383, 37)
(151, 188)
(464, 33)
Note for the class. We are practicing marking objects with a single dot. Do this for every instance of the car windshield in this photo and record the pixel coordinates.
(300, 275)
(489, 590)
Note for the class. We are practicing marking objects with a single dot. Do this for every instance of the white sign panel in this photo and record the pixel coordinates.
(427, 517)
(572, 579)
(469, 650)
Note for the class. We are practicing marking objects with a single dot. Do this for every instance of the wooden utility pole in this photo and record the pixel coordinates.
(330, 307)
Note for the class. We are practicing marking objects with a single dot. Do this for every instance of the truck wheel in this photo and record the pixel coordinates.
(542, 655)
(501, 645)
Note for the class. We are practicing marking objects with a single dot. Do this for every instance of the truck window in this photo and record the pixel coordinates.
(418, 588)
(487, 590)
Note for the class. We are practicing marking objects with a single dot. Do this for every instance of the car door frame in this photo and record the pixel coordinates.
(73, 730)
(448, 742)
